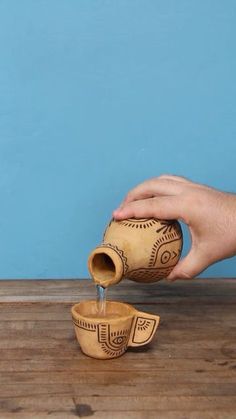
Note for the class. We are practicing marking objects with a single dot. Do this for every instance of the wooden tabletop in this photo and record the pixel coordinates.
(187, 372)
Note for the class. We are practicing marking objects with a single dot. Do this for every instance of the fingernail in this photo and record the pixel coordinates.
(116, 211)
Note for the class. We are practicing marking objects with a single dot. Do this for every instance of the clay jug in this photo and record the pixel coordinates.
(143, 250)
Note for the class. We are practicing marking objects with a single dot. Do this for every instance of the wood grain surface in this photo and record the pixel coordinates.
(187, 372)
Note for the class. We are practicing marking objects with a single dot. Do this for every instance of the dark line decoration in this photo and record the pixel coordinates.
(107, 228)
(165, 257)
(168, 227)
(149, 274)
(113, 343)
(139, 223)
(142, 324)
(157, 248)
(82, 324)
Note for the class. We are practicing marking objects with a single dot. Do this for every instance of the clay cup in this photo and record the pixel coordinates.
(109, 336)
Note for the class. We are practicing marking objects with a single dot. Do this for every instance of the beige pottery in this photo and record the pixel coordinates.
(110, 336)
(143, 250)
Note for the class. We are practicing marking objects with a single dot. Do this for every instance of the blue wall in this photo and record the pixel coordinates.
(96, 96)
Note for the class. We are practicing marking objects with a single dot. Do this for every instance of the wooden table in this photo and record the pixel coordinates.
(187, 372)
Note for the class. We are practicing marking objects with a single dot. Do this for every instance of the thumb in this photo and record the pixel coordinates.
(191, 265)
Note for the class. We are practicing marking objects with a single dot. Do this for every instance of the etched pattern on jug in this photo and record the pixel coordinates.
(139, 222)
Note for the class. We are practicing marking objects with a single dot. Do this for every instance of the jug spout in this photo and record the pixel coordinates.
(106, 266)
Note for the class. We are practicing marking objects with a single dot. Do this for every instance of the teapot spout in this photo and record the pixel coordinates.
(106, 266)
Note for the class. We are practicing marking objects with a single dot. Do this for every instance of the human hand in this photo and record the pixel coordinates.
(209, 214)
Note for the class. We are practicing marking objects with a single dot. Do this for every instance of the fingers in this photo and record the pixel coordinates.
(175, 178)
(154, 187)
(163, 207)
(190, 266)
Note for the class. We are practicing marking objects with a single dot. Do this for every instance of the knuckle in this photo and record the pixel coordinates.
(129, 196)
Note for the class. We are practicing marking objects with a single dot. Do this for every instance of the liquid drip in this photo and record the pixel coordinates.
(101, 300)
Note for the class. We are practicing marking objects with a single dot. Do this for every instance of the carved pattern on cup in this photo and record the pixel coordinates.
(86, 325)
(144, 330)
(113, 343)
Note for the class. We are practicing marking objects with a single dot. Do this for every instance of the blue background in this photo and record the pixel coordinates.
(95, 97)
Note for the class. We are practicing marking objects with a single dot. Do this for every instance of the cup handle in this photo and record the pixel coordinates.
(143, 328)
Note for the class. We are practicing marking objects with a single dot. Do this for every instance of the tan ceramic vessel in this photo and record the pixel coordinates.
(104, 337)
(144, 250)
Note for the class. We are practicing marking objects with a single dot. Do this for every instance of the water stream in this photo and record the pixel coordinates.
(101, 300)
